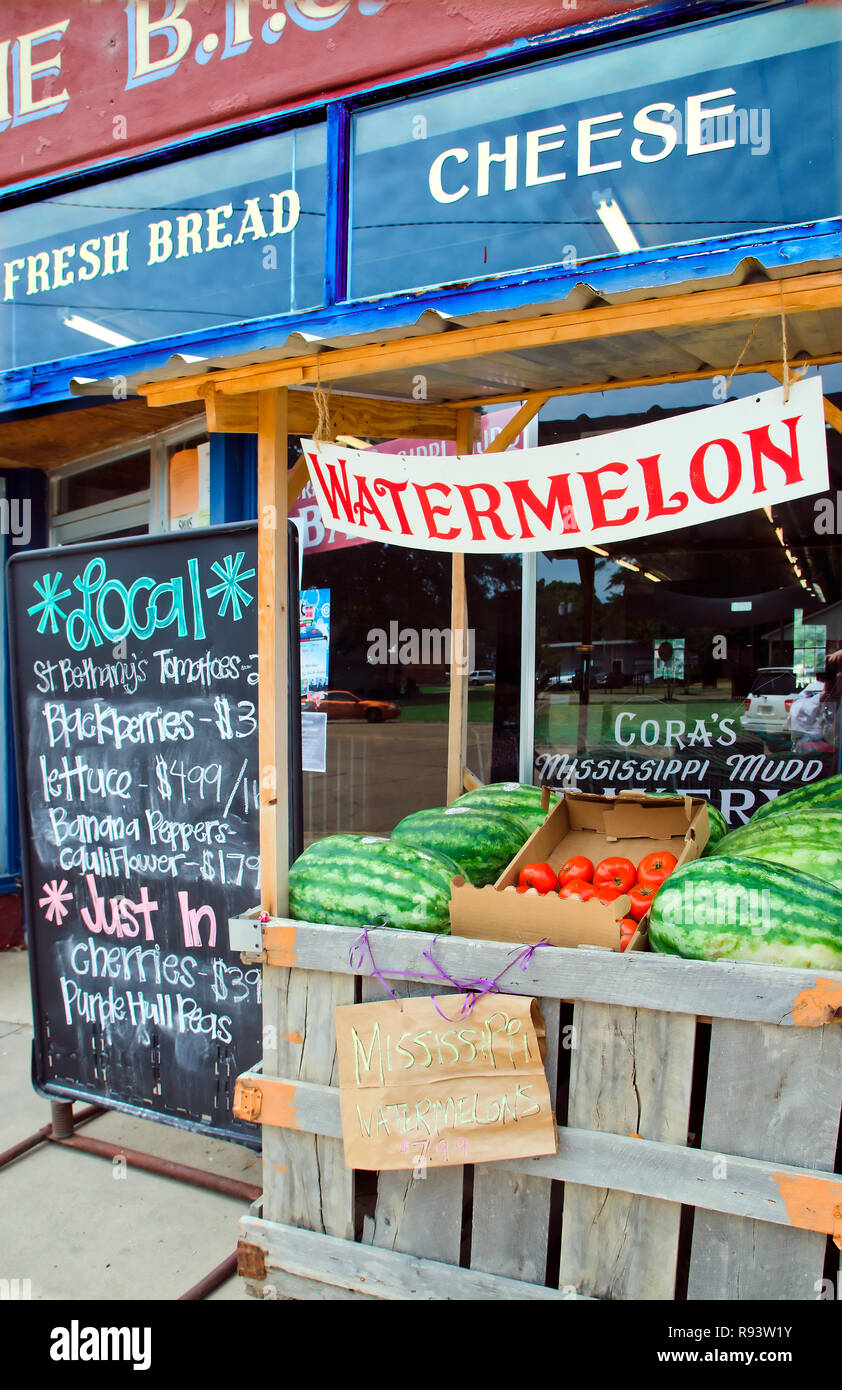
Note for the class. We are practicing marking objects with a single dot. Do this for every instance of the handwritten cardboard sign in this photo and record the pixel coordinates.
(417, 1090)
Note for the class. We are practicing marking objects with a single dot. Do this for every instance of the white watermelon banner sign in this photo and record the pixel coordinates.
(686, 471)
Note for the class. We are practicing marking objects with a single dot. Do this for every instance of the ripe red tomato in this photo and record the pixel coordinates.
(628, 927)
(539, 876)
(608, 893)
(652, 870)
(577, 888)
(577, 867)
(619, 873)
(641, 900)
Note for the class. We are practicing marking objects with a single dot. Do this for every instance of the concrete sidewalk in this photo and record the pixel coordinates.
(80, 1227)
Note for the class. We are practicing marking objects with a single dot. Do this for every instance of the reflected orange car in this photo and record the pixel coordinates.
(343, 704)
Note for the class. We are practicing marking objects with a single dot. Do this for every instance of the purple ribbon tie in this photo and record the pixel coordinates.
(473, 989)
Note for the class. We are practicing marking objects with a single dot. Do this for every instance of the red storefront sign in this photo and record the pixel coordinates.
(83, 81)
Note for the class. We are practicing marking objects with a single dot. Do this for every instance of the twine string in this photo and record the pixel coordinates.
(322, 402)
(736, 365)
(472, 989)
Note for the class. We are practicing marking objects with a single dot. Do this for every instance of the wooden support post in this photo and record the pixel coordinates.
(272, 623)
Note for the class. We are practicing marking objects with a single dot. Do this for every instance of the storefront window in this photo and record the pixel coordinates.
(694, 662)
(382, 677)
(104, 501)
(703, 133)
(226, 236)
(97, 486)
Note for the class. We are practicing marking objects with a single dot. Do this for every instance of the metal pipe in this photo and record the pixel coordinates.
(211, 1281)
(61, 1112)
(46, 1132)
(24, 1145)
(163, 1167)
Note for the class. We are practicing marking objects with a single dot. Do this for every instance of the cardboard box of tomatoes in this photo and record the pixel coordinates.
(595, 861)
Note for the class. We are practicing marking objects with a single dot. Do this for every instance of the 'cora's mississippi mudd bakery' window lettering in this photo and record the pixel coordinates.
(225, 236)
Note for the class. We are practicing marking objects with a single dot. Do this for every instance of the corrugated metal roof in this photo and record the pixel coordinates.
(629, 356)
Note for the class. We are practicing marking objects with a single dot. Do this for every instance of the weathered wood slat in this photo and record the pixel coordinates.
(305, 1180)
(279, 1284)
(417, 1215)
(379, 1273)
(511, 1210)
(631, 1074)
(775, 1094)
(640, 979)
(693, 1177)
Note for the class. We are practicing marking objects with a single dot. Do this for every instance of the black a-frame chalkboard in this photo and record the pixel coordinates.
(134, 670)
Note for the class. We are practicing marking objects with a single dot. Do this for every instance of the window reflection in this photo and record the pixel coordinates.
(694, 662)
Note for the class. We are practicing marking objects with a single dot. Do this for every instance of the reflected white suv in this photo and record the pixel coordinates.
(769, 701)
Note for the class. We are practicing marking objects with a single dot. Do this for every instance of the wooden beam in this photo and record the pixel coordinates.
(230, 414)
(369, 419)
(733, 304)
(518, 422)
(833, 415)
(272, 665)
(626, 383)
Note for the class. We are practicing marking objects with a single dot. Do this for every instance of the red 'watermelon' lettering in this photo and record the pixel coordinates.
(559, 496)
(762, 447)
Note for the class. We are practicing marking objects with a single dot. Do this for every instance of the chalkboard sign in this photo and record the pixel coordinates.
(135, 682)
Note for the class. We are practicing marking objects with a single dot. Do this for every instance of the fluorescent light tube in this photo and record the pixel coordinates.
(610, 215)
(97, 330)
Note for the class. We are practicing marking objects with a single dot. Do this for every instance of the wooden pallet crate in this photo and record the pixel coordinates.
(698, 1108)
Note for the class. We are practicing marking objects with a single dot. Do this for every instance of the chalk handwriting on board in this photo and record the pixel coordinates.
(110, 611)
(136, 708)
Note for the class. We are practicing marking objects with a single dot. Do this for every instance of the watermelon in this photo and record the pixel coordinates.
(825, 822)
(358, 880)
(518, 799)
(718, 829)
(825, 792)
(480, 839)
(740, 909)
(819, 856)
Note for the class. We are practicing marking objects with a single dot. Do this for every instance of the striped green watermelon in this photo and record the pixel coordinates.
(357, 880)
(518, 799)
(718, 827)
(480, 839)
(825, 822)
(825, 792)
(820, 856)
(740, 909)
